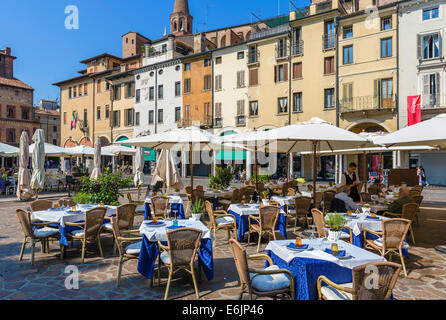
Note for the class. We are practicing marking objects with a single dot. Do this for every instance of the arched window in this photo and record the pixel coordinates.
(175, 26)
(223, 41)
(181, 24)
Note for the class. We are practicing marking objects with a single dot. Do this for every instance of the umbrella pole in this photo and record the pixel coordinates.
(287, 167)
(191, 165)
(257, 167)
(314, 169)
(366, 171)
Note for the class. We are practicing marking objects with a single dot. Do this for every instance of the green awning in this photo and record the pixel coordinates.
(149, 157)
(230, 155)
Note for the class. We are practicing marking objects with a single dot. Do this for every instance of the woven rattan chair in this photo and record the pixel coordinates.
(285, 188)
(248, 192)
(41, 205)
(225, 203)
(221, 220)
(140, 205)
(198, 194)
(129, 246)
(373, 189)
(328, 197)
(291, 192)
(180, 254)
(418, 200)
(160, 207)
(359, 187)
(409, 212)
(318, 200)
(419, 188)
(322, 230)
(391, 240)
(299, 210)
(66, 202)
(265, 223)
(90, 229)
(125, 216)
(373, 281)
(260, 186)
(414, 193)
(43, 234)
(269, 282)
(366, 197)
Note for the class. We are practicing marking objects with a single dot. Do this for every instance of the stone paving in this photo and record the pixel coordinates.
(46, 280)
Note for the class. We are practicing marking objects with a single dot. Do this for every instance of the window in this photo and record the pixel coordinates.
(55, 142)
(431, 90)
(137, 118)
(70, 93)
(98, 113)
(297, 70)
(187, 112)
(348, 54)
(85, 89)
(329, 67)
(138, 96)
(24, 115)
(151, 93)
(218, 82)
(80, 90)
(187, 67)
(160, 91)
(297, 41)
(253, 108)
(297, 102)
(253, 77)
(252, 54)
(164, 48)
(116, 119)
(117, 92)
(177, 114)
(329, 98)
(130, 92)
(54, 128)
(386, 23)
(429, 46)
(281, 48)
(177, 89)
(218, 60)
(107, 86)
(129, 117)
(430, 13)
(160, 115)
(207, 82)
(218, 111)
(74, 92)
(187, 85)
(64, 118)
(347, 32)
(207, 62)
(281, 73)
(282, 105)
(10, 135)
(107, 112)
(85, 116)
(240, 79)
(240, 55)
(386, 47)
(10, 112)
(151, 113)
(329, 35)
(240, 119)
(99, 86)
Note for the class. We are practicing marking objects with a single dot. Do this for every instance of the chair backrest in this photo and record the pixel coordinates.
(319, 222)
(292, 184)
(248, 192)
(197, 193)
(183, 246)
(210, 211)
(394, 232)
(117, 234)
(310, 187)
(285, 187)
(418, 200)
(319, 198)
(160, 204)
(419, 188)
(25, 222)
(268, 217)
(373, 189)
(291, 192)
(66, 202)
(199, 187)
(339, 189)
(240, 195)
(260, 187)
(414, 193)
(125, 215)
(41, 205)
(328, 196)
(337, 205)
(302, 206)
(241, 261)
(375, 281)
(94, 219)
(235, 195)
(188, 190)
(409, 211)
(366, 197)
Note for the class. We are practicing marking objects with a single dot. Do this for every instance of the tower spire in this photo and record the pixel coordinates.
(180, 19)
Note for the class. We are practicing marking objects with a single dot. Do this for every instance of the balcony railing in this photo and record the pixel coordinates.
(323, 6)
(433, 101)
(201, 120)
(298, 48)
(253, 56)
(366, 103)
(240, 120)
(328, 41)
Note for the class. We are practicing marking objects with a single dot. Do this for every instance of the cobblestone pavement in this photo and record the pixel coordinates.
(46, 281)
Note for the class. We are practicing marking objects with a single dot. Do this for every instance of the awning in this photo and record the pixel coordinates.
(148, 157)
(228, 155)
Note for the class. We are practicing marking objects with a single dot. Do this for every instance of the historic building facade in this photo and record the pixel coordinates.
(48, 114)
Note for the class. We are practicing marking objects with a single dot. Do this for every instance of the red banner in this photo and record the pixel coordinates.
(413, 110)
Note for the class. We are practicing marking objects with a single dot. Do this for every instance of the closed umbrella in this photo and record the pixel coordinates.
(38, 160)
(166, 171)
(139, 167)
(24, 191)
(97, 160)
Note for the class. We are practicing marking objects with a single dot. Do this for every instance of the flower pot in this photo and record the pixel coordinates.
(265, 202)
(334, 236)
(196, 216)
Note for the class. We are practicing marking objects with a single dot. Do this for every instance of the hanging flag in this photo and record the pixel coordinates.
(413, 110)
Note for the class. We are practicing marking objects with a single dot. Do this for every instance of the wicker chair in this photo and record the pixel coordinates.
(319, 199)
(180, 254)
(264, 224)
(269, 282)
(198, 194)
(328, 197)
(225, 203)
(125, 216)
(285, 188)
(260, 186)
(160, 207)
(299, 210)
(391, 240)
(140, 205)
(291, 192)
(373, 189)
(419, 188)
(418, 200)
(414, 193)
(319, 222)
(42, 235)
(409, 212)
(248, 192)
(188, 190)
(90, 229)
(128, 247)
(66, 202)
(361, 288)
(221, 220)
(41, 205)
(366, 197)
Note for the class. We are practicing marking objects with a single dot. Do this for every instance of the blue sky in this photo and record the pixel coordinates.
(47, 52)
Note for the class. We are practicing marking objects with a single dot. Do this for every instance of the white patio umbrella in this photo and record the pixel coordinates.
(85, 151)
(24, 191)
(314, 135)
(97, 160)
(187, 139)
(38, 160)
(118, 150)
(51, 150)
(430, 132)
(166, 171)
(8, 151)
(139, 167)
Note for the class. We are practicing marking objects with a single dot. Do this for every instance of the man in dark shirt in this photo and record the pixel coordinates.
(397, 205)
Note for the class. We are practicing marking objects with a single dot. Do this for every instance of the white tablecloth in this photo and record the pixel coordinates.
(361, 223)
(359, 255)
(63, 216)
(154, 234)
(172, 200)
(248, 209)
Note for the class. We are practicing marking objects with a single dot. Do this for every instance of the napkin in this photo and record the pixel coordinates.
(293, 246)
(341, 253)
(152, 224)
(371, 218)
(175, 227)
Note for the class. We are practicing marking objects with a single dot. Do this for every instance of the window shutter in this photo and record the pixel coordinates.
(276, 68)
(133, 89)
(126, 91)
(440, 45)
(285, 71)
(119, 118)
(126, 119)
(437, 88)
(419, 49)
(376, 92)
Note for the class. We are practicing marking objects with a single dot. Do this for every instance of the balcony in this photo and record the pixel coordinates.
(240, 120)
(367, 104)
(204, 121)
(323, 6)
(328, 41)
(433, 104)
(298, 48)
(253, 56)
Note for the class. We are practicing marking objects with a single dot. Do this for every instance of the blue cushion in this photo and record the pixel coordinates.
(270, 282)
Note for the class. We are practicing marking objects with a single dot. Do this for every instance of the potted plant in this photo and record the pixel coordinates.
(197, 209)
(335, 223)
(177, 192)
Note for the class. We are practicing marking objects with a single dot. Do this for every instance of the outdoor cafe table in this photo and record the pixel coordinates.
(176, 207)
(150, 250)
(214, 196)
(242, 213)
(307, 266)
(62, 216)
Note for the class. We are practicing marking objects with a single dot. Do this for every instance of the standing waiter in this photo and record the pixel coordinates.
(350, 178)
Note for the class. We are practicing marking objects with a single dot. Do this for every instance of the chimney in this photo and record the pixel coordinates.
(292, 15)
(8, 51)
(199, 43)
